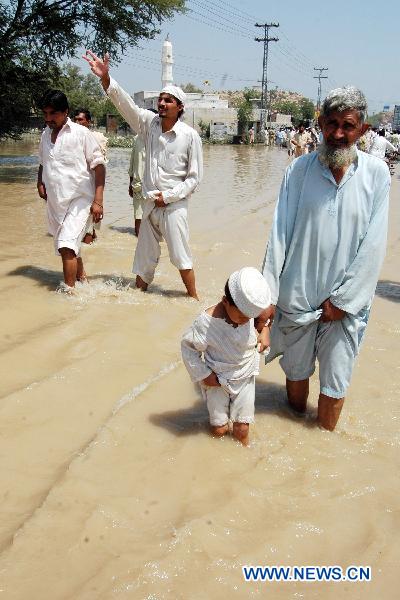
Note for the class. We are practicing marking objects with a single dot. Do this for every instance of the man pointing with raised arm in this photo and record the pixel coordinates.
(173, 170)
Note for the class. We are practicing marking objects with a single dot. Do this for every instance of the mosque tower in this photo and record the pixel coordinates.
(167, 62)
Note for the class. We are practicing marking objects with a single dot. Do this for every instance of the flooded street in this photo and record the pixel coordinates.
(110, 486)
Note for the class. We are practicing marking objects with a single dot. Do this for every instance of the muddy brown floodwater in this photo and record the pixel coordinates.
(110, 486)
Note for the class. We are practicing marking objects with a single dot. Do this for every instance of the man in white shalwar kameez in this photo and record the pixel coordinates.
(68, 153)
(324, 254)
(173, 170)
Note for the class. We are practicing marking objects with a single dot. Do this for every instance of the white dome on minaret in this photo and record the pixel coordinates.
(167, 62)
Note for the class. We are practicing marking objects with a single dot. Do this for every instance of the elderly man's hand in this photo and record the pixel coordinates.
(212, 380)
(267, 316)
(263, 340)
(159, 200)
(331, 312)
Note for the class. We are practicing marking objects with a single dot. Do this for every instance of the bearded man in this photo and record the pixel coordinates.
(324, 255)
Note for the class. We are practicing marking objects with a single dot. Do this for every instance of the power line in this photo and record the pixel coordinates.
(230, 5)
(288, 50)
(319, 77)
(220, 15)
(264, 92)
(213, 23)
(297, 56)
(191, 70)
(298, 64)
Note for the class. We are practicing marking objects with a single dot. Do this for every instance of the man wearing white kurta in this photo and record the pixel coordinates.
(380, 145)
(173, 170)
(67, 154)
(324, 254)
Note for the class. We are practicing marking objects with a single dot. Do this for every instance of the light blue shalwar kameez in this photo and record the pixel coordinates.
(328, 240)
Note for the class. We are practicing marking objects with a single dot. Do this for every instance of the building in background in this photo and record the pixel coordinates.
(166, 63)
(396, 117)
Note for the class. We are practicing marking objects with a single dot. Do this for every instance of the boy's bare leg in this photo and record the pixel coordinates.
(297, 393)
(142, 285)
(329, 410)
(70, 266)
(190, 282)
(80, 273)
(219, 430)
(241, 433)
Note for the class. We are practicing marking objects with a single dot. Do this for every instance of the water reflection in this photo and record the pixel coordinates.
(236, 178)
(18, 162)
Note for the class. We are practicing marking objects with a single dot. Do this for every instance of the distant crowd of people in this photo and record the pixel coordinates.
(305, 138)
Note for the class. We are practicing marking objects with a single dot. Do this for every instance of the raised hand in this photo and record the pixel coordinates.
(99, 67)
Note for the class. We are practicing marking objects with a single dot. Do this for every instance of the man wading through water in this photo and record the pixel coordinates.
(68, 156)
(325, 250)
(173, 170)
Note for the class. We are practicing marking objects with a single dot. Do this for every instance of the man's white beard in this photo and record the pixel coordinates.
(336, 158)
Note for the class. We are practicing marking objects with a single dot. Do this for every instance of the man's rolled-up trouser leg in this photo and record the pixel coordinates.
(336, 353)
(72, 231)
(147, 252)
(334, 344)
(175, 230)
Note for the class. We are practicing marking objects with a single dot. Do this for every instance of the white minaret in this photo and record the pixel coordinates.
(167, 62)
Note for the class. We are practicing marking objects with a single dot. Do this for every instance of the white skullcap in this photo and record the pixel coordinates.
(176, 91)
(250, 292)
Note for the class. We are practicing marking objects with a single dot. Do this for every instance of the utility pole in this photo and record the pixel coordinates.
(319, 77)
(264, 92)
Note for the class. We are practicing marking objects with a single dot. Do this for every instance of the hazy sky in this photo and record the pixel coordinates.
(357, 40)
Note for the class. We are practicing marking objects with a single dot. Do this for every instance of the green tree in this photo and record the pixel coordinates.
(288, 107)
(307, 109)
(83, 91)
(204, 128)
(245, 108)
(36, 34)
(302, 110)
(191, 88)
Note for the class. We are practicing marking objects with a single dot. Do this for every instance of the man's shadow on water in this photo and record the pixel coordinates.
(270, 399)
(51, 279)
(389, 290)
(129, 230)
(45, 277)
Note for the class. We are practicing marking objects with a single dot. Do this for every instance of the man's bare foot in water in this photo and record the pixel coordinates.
(140, 284)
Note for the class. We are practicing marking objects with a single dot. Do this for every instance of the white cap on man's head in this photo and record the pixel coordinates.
(250, 292)
(176, 91)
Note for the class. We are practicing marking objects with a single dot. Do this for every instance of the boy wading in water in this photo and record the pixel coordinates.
(221, 351)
